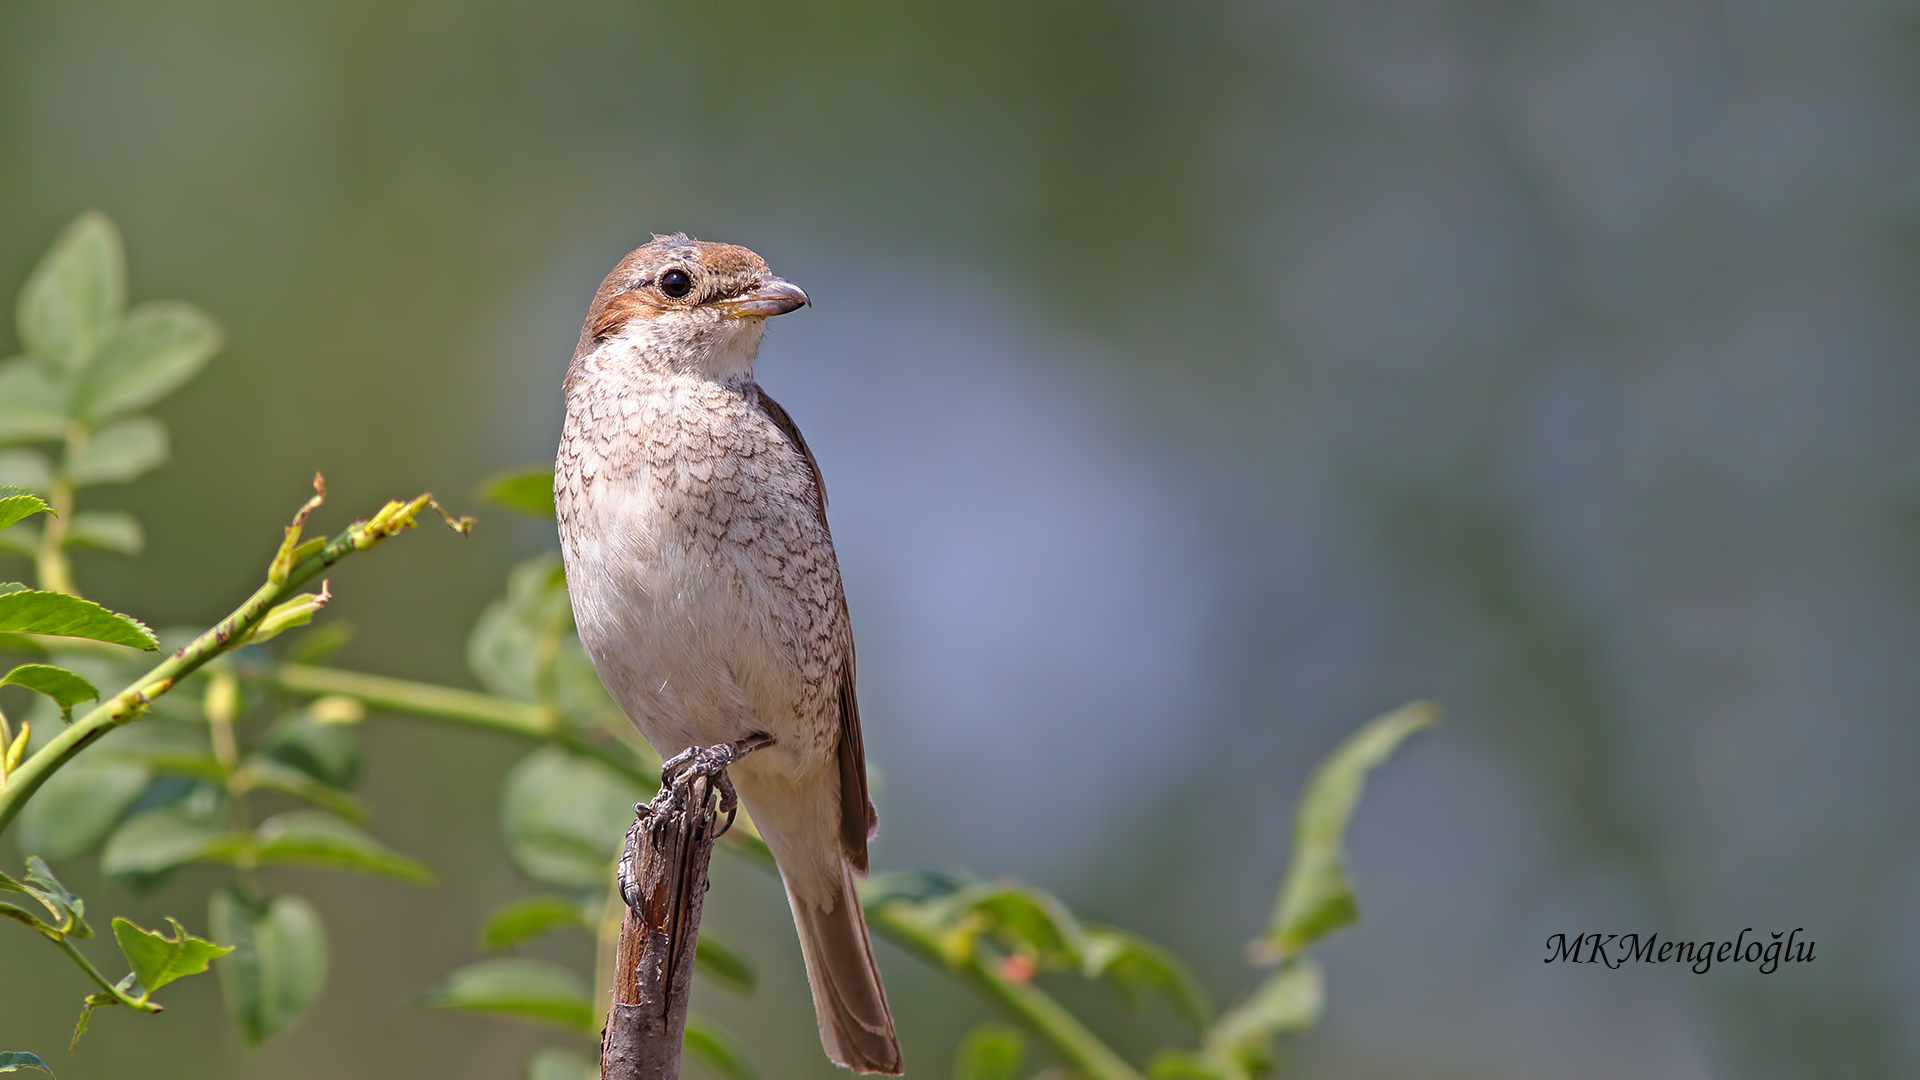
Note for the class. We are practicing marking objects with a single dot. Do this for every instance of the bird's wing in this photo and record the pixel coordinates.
(858, 819)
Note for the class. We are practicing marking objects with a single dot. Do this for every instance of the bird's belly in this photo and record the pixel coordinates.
(683, 629)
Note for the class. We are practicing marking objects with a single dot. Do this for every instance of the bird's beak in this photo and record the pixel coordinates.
(773, 296)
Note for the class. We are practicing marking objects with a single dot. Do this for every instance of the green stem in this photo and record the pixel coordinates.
(51, 568)
(489, 711)
(94, 974)
(230, 631)
(1063, 1033)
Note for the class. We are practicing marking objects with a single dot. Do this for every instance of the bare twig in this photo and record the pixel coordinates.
(663, 878)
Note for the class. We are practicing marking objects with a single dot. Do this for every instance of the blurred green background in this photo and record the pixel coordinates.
(1191, 382)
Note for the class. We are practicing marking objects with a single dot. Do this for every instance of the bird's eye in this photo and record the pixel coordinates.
(676, 283)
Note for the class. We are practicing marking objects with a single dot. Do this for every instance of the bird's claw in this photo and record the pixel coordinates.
(711, 762)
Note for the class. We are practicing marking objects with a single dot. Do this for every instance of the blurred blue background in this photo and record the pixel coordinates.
(1192, 382)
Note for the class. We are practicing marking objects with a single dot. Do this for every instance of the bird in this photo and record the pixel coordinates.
(706, 592)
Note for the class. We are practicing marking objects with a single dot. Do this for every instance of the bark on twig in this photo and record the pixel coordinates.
(664, 880)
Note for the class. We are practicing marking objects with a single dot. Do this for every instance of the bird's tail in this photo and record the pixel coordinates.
(856, 1027)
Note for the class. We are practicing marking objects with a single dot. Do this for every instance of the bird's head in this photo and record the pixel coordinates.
(685, 306)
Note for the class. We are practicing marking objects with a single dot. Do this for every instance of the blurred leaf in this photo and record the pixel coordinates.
(76, 807)
(528, 492)
(1290, 1000)
(269, 775)
(551, 1063)
(523, 920)
(119, 452)
(565, 817)
(163, 839)
(278, 964)
(1189, 1065)
(914, 886)
(319, 643)
(155, 352)
(18, 502)
(25, 468)
(69, 911)
(314, 838)
(1132, 963)
(63, 686)
(329, 753)
(23, 541)
(33, 408)
(520, 989)
(30, 611)
(518, 635)
(1317, 898)
(157, 959)
(1027, 920)
(726, 966)
(709, 1042)
(577, 691)
(71, 303)
(161, 746)
(108, 530)
(989, 1052)
(15, 1060)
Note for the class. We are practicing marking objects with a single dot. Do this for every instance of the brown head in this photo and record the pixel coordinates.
(679, 304)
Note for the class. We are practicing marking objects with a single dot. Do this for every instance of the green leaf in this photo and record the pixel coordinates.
(1025, 919)
(69, 911)
(1317, 898)
(551, 1063)
(314, 838)
(1290, 1000)
(18, 502)
(78, 805)
(157, 959)
(709, 1042)
(108, 530)
(33, 408)
(528, 491)
(519, 989)
(158, 348)
(278, 964)
(1133, 963)
(725, 965)
(269, 775)
(119, 453)
(30, 611)
(523, 920)
(165, 838)
(320, 643)
(15, 1060)
(25, 468)
(329, 753)
(990, 1052)
(63, 686)
(566, 817)
(517, 632)
(71, 303)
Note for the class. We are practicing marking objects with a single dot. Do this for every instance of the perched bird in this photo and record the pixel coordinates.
(693, 524)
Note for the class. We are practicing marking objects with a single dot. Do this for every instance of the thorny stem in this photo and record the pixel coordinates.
(1069, 1039)
(134, 701)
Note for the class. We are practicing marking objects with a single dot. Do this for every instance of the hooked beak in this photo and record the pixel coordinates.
(773, 296)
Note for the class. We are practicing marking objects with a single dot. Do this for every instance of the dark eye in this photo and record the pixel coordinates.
(676, 283)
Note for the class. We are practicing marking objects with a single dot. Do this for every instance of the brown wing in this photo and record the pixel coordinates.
(858, 820)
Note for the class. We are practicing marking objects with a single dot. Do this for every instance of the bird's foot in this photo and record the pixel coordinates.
(712, 762)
